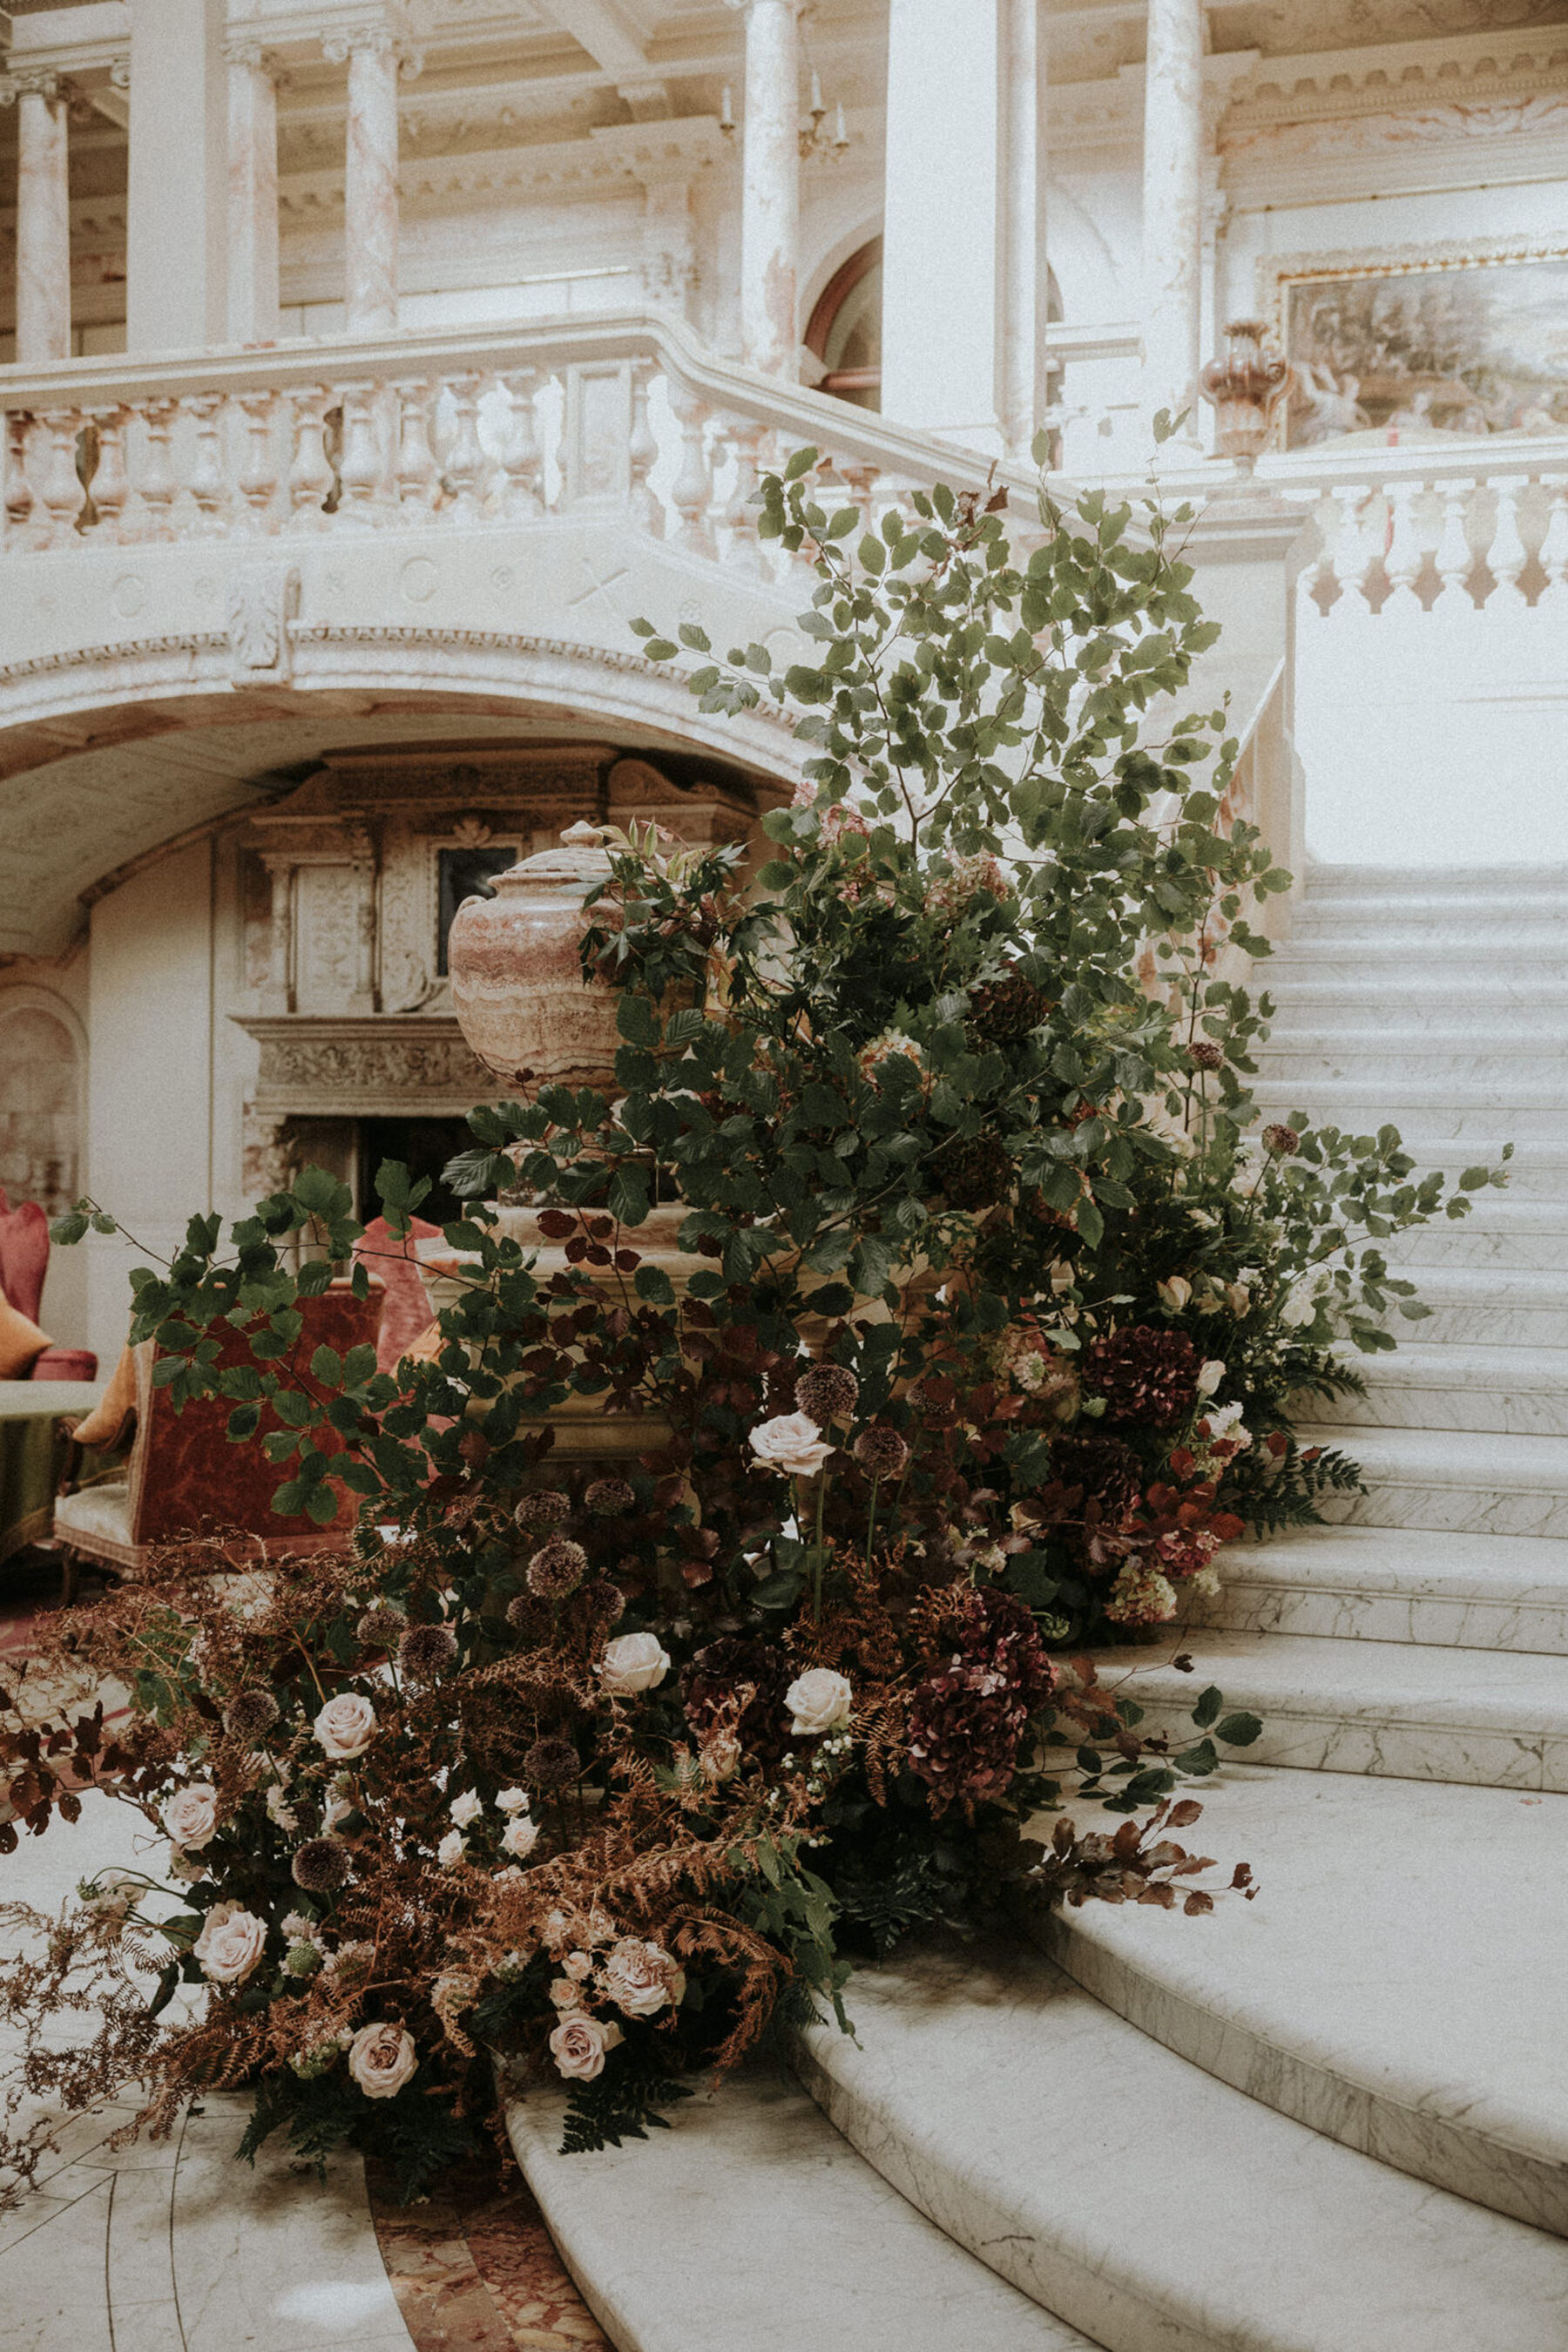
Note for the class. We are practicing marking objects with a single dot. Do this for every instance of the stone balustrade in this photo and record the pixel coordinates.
(447, 432)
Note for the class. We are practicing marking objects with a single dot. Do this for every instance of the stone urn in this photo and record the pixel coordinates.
(516, 967)
(1246, 386)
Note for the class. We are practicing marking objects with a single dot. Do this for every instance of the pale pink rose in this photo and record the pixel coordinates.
(819, 1700)
(580, 2044)
(1210, 1375)
(633, 1663)
(565, 1994)
(382, 2058)
(519, 1836)
(346, 1726)
(579, 1966)
(512, 1801)
(191, 1815)
(451, 1850)
(230, 1944)
(792, 1443)
(465, 1810)
(1176, 1292)
(640, 1979)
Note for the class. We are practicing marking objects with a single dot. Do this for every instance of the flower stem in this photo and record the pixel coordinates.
(871, 1521)
(816, 1549)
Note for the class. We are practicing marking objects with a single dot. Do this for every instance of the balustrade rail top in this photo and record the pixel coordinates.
(834, 425)
(1475, 457)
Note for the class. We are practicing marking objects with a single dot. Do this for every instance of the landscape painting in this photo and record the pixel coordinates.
(1478, 348)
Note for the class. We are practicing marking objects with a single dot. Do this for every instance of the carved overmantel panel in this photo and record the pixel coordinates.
(380, 1066)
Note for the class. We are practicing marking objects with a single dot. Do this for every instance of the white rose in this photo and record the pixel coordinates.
(382, 2058)
(819, 1700)
(1300, 1304)
(338, 1809)
(1210, 1375)
(230, 1944)
(633, 1663)
(519, 1837)
(465, 1810)
(346, 1726)
(1238, 1297)
(190, 1816)
(580, 2043)
(512, 1801)
(640, 1978)
(1174, 1293)
(792, 1443)
(565, 1995)
(451, 1849)
(579, 1966)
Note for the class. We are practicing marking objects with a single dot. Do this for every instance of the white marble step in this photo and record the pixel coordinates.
(1537, 1172)
(1499, 1231)
(1492, 1067)
(1486, 1307)
(1149, 2203)
(1463, 1480)
(1449, 1123)
(1509, 1392)
(1326, 879)
(1492, 1719)
(1355, 1993)
(1494, 1004)
(1397, 1584)
(1374, 962)
(751, 2226)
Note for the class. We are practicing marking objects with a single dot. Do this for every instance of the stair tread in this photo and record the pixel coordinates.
(1418, 2029)
(1151, 2204)
(1523, 1693)
(696, 2238)
(1446, 1457)
(1402, 1559)
(1442, 1363)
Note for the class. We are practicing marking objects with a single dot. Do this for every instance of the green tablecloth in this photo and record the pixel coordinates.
(32, 1449)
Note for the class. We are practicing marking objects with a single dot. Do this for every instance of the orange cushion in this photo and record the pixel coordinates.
(106, 1427)
(21, 1342)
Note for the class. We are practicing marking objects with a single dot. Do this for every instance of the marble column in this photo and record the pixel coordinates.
(176, 220)
(1173, 207)
(370, 183)
(43, 217)
(770, 192)
(252, 195)
(963, 269)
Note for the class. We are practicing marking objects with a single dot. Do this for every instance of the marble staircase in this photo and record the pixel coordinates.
(1334, 2120)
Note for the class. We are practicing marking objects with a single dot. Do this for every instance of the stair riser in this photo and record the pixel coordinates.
(1371, 1005)
(1482, 1323)
(1313, 1736)
(1454, 964)
(1537, 1628)
(1463, 1241)
(1396, 1502)
(1437, 1117)
(1499, 1412)
(1498, 1078)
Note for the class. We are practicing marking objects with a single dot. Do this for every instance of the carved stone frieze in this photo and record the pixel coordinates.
(377, 1066)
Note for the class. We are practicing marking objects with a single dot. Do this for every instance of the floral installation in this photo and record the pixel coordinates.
(597, 1771)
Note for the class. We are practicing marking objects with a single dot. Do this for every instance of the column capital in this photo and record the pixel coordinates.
(245, 50)
(375, 34)
(798, 9)
(30, 82)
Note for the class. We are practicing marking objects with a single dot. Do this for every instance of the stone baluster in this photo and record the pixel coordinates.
(110, 484)
(20, 498)
(360, 469)
(43, 216)
(62, 492)
(745, 552)
(862, 481)
(258, 479)
(515, 489)
(464, 466)
(157, 485)
(1555, 544)
(642, 453)
(693, 485)
(1454, 558)
(415, 474)
(1353, 553)
(206, 484)
(310, 477)
(1506, 556)
(1405, 557)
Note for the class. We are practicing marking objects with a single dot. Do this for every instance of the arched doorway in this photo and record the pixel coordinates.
(845, 329)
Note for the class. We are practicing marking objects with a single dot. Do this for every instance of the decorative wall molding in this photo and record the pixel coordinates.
(1336, 83)
(375, 1065)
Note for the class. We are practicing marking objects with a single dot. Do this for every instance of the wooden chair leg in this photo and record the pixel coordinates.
(68, 1562)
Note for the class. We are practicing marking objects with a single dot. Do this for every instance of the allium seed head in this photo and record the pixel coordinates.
(1282, 1141)
(1206, 1055)
(550, 1763)
(320, 1865)
(826, 1393)
(541, 1514)
(249, 1714)
(426, 1651)
(379, 1628)
(557, 1569)
(880, 1451)
(519, 1613)
(610, 1498)
(605, 1601)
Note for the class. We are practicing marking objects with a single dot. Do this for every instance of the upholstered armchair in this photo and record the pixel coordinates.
(24, 1262)
(183, 1475)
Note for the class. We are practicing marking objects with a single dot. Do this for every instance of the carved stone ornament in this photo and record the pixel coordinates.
(259, 602)
(375, 1067)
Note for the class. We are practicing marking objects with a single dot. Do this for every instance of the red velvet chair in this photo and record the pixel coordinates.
(392, 1259)
(24, 1262)
(185, 1475)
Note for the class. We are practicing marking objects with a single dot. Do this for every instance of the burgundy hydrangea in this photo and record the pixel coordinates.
(1093, 1478)
(1005, 1011)
(1145, 1375)
(712, 1682)
(966, 1721)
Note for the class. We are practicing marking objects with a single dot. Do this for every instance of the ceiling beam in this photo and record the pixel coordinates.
(613, 41)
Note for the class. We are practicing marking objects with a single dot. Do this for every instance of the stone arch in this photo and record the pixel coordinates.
(43, 1079)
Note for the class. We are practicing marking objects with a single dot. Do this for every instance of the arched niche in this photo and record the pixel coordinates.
(42, 1071)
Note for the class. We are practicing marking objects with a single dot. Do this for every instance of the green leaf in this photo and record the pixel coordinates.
(1204, 1758)
(1238, 1731)
(652, 1283)
(1207, 1711)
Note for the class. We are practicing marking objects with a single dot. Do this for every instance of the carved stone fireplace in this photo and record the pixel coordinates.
(349, 885)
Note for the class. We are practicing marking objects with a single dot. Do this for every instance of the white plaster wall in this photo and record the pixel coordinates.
(150, 1090)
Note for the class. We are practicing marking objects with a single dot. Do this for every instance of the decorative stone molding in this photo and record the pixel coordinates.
(261, 601)
(381, 1066)
(1324, 84)
(29, 81)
